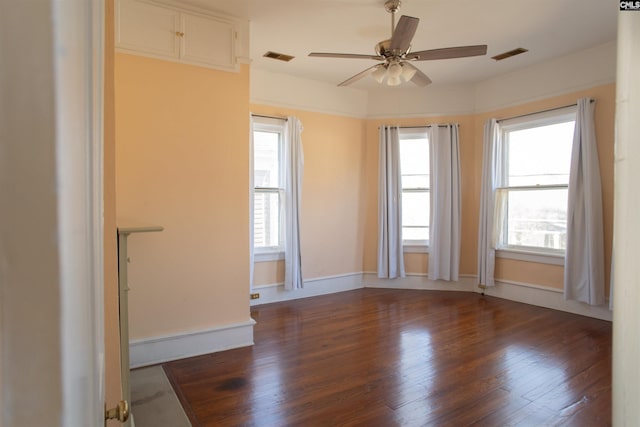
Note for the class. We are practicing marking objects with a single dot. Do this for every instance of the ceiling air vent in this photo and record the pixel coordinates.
(509, 54)
(278, 56)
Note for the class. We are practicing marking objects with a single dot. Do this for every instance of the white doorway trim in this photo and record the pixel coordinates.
(51, 252)
(79, 56)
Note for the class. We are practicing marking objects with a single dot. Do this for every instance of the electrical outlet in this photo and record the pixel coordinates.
(254, 296)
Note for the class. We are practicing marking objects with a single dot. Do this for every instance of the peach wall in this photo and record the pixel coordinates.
(111, 313)
(182, 149)
(332, 234)
(268, 273)
(418, 263)
(544, 274)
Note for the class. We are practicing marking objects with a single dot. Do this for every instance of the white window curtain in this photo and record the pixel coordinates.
(584, 256)
(444, 238)
(390, 255)
(294, 165)
(488, 185)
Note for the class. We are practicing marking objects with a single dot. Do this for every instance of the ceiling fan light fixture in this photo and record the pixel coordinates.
(393, 81)
(408, 72)
(396, 52)
(379, 73)
(395, 70)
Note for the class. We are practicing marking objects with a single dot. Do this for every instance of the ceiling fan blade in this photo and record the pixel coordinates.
(448, 52)
(358, 76)
(419, 78)
(403, 33)
(346, 55)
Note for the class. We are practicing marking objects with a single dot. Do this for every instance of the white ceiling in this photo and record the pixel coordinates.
(547, 28)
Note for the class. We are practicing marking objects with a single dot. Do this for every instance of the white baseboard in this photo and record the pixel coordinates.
(545, 297)
(541, 296)
(312, 288)
(156, 350)
(419, 281)
(163, 349)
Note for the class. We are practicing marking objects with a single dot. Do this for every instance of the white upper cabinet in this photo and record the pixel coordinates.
(165, 32)
(147, 28)
(206, 41)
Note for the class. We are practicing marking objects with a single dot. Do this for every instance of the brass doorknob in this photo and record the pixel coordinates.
(120, 412)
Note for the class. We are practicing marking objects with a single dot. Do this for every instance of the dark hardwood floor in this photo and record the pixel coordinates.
(378, 357)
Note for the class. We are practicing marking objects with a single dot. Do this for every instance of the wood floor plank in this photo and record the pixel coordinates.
(380, 357)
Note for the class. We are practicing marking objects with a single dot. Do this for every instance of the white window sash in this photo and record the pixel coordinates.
(545, 118)
(412, 245)
(500, 237)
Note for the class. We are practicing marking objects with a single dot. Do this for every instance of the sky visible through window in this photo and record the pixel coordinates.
(266, 159)
(538, 157)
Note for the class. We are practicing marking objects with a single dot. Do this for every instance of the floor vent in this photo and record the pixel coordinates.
(509, 54)
(278, 56)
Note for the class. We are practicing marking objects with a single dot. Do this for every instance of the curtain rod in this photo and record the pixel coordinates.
(542, 111)
(423, 126)
(269, 117)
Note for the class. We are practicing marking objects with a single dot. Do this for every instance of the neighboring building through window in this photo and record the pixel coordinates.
(534, 163)
(414, 167)
(268, 181)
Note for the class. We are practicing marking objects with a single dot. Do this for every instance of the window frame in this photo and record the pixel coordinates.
(404, 133)
(524, 252)
(270, 125)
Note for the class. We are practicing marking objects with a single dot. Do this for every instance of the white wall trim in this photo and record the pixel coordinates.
(275, 292)
(312, 287)
(432, 101)
(530, 285)
(155, 350)
(543, 296)
(574, 72)
(530, 256)
(419, 281)
(166, 348)
(308, 108)
(529, 293)
(585, 69)
(267, 256)
(277, 89)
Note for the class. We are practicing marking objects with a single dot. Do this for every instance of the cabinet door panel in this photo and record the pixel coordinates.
(208, 41)
(147, 28)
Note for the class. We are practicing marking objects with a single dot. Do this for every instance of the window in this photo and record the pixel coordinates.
(414, 167)
(535, 158)
(268, 181)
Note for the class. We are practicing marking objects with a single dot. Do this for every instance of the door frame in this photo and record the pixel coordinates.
(51, 268)
(79, 79)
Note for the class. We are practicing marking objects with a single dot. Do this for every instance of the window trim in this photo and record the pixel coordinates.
(274, 125)
(415, 247)
(530, 255)
(267, 256)
(545, 118)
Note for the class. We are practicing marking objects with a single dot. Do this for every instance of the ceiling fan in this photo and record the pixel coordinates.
(395, 53)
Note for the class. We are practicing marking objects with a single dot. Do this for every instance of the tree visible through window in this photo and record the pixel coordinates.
(535, 157)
